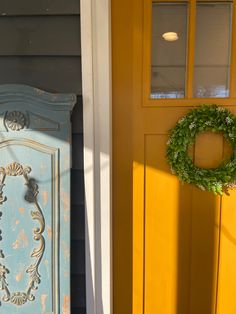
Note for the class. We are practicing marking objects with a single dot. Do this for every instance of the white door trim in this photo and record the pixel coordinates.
(96, 80)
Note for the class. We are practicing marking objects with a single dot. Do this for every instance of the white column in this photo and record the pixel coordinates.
(96, 78)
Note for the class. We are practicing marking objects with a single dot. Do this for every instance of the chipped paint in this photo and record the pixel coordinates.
(21, 241)
(21, 210)
(66, 305)
(44, 197)
(16, 245)
(43, 302)
(66, 274)
(66, 217)
(67, 161)
(17, 222)
(66, 201)
(39, 91)
(66, 250)
(19, 276)
(46, 263)
(49, 229)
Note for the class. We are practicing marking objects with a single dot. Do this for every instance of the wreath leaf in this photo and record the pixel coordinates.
(205, 118)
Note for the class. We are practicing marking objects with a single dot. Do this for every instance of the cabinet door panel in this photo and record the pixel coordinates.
(35, 208)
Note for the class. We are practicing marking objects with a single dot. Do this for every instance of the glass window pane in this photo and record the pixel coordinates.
(169, 37)
(212, 50)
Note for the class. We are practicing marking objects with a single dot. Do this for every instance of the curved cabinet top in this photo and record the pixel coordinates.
(18, 92)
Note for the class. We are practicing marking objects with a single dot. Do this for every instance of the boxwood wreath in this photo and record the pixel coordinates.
(182, 136)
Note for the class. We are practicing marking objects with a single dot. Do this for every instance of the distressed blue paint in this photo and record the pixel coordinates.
(42, 143)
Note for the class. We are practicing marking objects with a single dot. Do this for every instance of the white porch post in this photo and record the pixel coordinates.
(96, 78)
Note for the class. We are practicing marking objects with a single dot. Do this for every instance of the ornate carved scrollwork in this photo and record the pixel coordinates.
(20, 298)
(15, 120)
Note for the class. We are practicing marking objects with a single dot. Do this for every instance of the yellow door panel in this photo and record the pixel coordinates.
(174, 246)
(164, 216)
(205, 230)
(227, 272)
(204, 256)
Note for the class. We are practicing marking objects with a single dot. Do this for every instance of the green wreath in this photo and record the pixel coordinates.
(182, 136)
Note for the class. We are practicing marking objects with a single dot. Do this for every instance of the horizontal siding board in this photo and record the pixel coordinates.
(77, 187)
(78, 291)
(41, 35)
(53, 74)
(77, 257)
(77, 117)
(77, 146)
(77, 223)
(78, 310)
(36, 7)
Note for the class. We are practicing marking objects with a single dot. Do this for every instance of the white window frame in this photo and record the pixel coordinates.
(96, 80)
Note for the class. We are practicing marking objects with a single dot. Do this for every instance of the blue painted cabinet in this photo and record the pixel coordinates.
(35, 162)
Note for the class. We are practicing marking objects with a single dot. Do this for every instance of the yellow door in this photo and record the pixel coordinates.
(174, 245)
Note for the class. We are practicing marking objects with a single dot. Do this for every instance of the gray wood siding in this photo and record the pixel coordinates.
(36, 7)
(40, 35)
(40, 46)
(56, 73)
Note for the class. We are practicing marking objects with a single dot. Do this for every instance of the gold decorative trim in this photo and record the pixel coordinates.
(20, 298)
(54, 155)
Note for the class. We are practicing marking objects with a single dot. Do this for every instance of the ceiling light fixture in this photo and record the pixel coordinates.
(170, 36)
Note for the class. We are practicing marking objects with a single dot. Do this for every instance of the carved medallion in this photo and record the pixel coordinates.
(15, 120)
(20, 298)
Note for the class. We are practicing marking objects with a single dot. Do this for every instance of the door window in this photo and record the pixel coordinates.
(190, 55)
(169, 41)
(212, 50)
